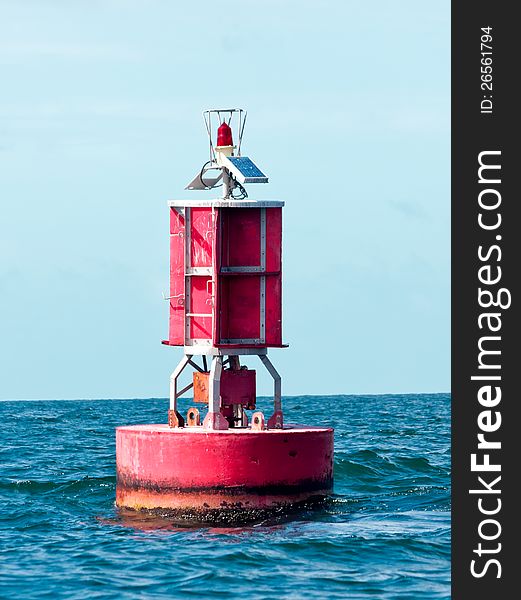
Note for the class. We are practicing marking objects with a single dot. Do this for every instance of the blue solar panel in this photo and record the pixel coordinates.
(246, 166)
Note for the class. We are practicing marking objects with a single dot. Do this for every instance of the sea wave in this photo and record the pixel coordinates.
(385, 531)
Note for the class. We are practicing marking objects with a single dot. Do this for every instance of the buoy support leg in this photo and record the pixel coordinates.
(214, 385)
(174, 417)
(276, 419)
(215, 419)
(173, 380)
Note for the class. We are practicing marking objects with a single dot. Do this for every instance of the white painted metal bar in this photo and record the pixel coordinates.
(262, 315)
(209, 350)
(188, 263)
(277, 382)
(242, 269)
(192, 344)
(227, 203)
(214, 385)
(226, 184)
(173, 380)
(198, 270)
(242, 341)
(263, 239)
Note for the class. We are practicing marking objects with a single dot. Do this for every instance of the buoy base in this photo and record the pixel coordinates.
(217, 517)
(197, 473)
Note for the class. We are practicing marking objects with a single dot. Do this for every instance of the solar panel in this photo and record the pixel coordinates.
(244, 169)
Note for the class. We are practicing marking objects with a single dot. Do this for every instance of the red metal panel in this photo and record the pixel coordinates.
(240, 242)
(238, 295)
(273, 239)
(200, 303)
(274, 281)
(239, 300)
(273, 310)
(201, 237)
(216, 283)
(176, 329)
(201, 253)
(236, 241)
(239, 307)
(238, 387)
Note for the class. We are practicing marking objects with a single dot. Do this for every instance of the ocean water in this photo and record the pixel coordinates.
(384, 534)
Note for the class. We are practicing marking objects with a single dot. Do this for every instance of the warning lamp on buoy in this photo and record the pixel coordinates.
(224, 135)
(225, 303)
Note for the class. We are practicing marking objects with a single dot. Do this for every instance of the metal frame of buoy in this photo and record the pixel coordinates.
(225, 303)
(276, 420)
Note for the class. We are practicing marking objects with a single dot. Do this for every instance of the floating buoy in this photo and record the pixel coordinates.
(191, 470)
(225, 303)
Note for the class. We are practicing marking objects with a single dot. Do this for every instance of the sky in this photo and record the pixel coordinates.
(100, 125)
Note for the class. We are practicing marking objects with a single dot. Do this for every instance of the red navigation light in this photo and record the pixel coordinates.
(224, 135)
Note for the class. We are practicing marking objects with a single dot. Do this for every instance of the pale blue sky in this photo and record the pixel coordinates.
(100, 124)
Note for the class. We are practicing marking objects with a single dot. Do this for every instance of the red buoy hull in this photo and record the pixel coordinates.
(192, 470)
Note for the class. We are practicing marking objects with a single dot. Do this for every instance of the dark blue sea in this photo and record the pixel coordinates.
(384, 534)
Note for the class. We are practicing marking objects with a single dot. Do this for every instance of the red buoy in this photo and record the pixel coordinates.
(225, 303)
(192, 471)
